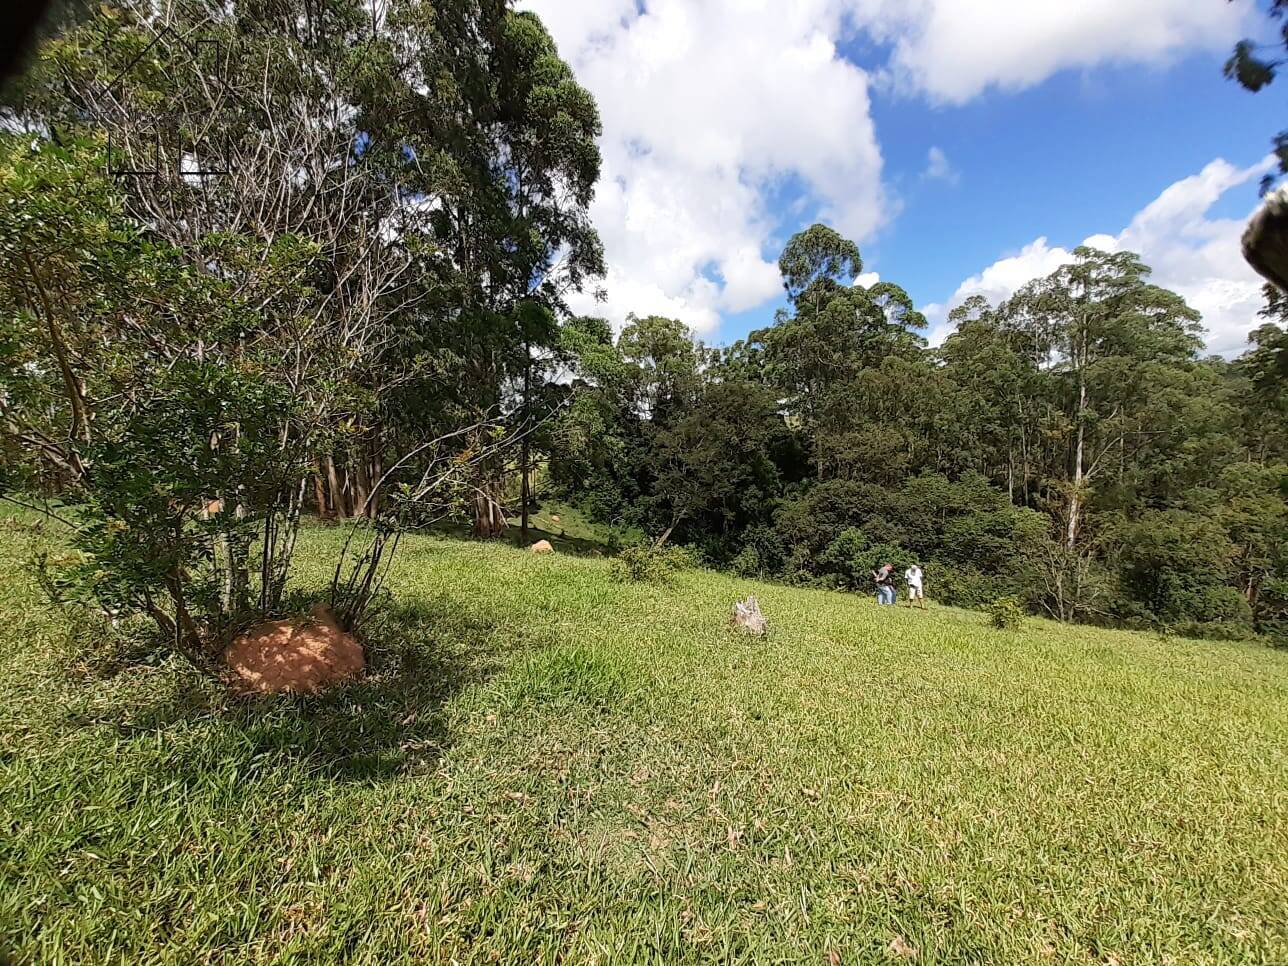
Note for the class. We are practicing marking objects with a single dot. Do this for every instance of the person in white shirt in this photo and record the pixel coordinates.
(914, 579)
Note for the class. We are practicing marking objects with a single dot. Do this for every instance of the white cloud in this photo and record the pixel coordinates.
(722, 117)
(939, 168)
(709, 110)
(867, 279)
(954, 50)
(1191, 253)
(1000, 280)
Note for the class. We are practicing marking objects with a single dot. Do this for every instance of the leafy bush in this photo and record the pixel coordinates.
(682, 558)
(1175, 563)
(747, 563)
(1005, 613)
(852, 557)
(645, 563)
(1216, 630)
(966, 587)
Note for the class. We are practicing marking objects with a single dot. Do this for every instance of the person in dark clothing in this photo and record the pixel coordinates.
(884, 578)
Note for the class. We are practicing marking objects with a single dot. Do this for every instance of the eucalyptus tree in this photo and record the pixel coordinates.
(494, 113)
(1107, 335)
(847, 358)
(995, 404)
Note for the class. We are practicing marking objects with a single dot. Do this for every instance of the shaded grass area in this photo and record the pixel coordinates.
(548, 766)
(574, 532)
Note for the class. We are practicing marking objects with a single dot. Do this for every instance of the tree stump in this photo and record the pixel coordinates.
(748, 618)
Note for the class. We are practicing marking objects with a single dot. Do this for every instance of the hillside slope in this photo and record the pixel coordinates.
(547, 765)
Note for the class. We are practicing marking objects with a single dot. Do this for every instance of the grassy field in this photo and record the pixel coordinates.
(548, 766)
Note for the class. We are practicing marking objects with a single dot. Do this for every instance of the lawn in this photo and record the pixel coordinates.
(546, 765)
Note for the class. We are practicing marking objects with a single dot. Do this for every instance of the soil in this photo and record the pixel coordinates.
(301, 655)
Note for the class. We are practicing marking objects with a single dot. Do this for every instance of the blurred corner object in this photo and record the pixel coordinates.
(1265, 242)
(18, 22)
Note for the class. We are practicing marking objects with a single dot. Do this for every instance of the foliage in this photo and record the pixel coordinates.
(1054, 449)
(355, 306)
(368, 317)
(648, 563)
(139, 425)
(1005, 613)
(1254, 66)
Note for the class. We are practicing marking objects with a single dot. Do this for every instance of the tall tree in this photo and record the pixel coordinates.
(846, 358)
(1105, 330)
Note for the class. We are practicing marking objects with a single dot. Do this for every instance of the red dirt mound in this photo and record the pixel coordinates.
(294, 655)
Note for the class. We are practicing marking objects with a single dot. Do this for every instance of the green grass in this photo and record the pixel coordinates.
(548, 766)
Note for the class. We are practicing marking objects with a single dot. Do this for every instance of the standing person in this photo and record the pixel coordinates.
(884, 578)
(914, 578)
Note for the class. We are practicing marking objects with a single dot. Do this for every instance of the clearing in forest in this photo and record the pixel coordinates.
(544, 764)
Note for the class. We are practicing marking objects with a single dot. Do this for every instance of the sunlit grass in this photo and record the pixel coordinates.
(549, 765)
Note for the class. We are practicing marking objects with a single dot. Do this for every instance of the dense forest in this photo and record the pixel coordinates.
(1071, 447)
(276, 258)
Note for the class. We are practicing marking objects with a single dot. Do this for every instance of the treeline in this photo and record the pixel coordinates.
(1071, 447)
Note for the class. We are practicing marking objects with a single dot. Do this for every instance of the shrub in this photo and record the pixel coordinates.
(644, 563)
(747, 563)
(1005, 613)
(850, 559)
(967, 587)
(1217, 630)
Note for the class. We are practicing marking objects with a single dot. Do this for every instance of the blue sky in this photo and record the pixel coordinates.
(729, 124)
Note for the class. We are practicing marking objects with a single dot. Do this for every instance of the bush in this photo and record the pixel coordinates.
(645, 563)
(1217, 630)
(966, 587)
(747, 563)
(1005, 613)
(850, 559)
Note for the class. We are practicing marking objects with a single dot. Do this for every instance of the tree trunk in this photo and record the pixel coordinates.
(361, 489)
(377, 474)
(319, 493)
(525, 490)
(666, 534)
(525, 452)
(72, 383)
(339, 506)
(489, 512)
(1075, 497)
(1010, 475)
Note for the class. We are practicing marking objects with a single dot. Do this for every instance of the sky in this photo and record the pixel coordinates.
(968, 146)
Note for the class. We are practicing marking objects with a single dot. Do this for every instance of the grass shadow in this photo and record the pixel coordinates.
(390, 721)
(394, 718)
(513, 535)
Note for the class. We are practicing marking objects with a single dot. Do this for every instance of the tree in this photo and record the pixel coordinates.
(350, 272)
(818, 258)
(992, 410)
(177, 454)
(847, 360)
(1107, 332)
(666, 361)
(715, 465)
